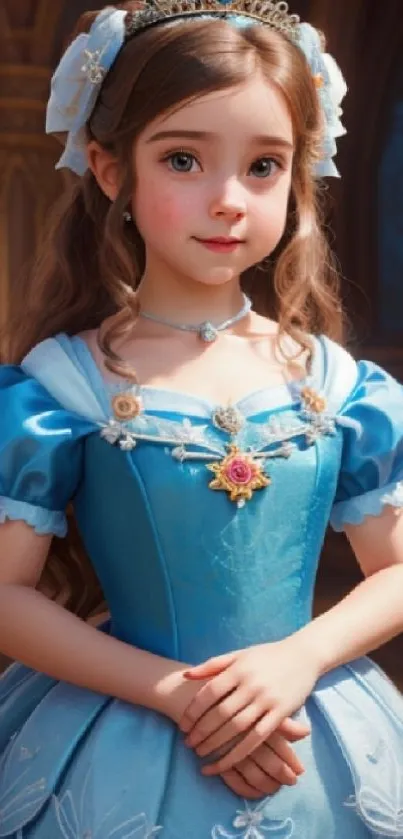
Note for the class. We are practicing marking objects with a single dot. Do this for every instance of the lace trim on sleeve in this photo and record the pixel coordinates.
(43, 521)
(355, 510)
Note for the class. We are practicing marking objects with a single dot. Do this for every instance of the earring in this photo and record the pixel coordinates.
(127, 216)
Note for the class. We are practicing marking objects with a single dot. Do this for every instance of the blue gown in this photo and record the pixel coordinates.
(204, 526)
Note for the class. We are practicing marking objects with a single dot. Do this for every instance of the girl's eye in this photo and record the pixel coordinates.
(264, 167)
(181, 161)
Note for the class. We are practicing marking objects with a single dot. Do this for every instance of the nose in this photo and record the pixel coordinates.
(228, 200)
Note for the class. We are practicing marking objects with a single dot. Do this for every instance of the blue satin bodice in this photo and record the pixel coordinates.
(186, 572)
(178, 553)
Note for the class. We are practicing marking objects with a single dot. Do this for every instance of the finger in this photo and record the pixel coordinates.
(270, 763)
(209, 668)
(237, 783)
(263, 729)
(217, 717)
(284, 751)
(206, 697)
(294, 730)
(257, 778)
(240, 723)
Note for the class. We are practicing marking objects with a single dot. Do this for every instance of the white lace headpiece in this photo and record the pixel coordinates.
(79, 77)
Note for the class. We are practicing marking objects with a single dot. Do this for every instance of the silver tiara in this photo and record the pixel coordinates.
(78, 79)
(273, 13)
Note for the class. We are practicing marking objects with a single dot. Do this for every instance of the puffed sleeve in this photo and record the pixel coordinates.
(371, 473)
(41, 446)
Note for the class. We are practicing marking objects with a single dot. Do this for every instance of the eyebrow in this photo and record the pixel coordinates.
(260, 139)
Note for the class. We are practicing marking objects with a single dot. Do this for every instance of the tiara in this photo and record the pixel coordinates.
(273, 13)
(78, 79)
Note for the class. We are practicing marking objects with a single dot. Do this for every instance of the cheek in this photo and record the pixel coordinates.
(160, 208)
(271, 214)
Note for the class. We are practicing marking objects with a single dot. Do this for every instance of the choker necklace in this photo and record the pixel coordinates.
(206, 331)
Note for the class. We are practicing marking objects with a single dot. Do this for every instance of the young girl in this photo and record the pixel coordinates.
(179, 376)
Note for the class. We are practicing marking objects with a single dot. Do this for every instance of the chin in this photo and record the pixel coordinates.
(217, 276)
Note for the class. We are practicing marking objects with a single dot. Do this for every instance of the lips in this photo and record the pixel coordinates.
(220, 244)
(221, 240)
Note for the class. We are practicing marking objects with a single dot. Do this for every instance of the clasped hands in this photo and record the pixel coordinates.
(244, 710)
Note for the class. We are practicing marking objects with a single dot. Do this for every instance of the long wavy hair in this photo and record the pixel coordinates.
(91, 262)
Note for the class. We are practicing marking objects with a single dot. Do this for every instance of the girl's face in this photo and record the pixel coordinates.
(212, 183)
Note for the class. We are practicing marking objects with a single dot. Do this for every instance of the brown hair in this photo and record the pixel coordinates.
(91, 263)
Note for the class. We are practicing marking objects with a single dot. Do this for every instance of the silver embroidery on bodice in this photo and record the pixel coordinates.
(271, 437)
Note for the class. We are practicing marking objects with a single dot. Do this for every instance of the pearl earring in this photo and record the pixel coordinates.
(127, 216)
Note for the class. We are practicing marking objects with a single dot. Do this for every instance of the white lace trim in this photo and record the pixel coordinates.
(253, 437)
(255, 825)
(73, 827)
(355, 510)
(394, 498)
(70, 813)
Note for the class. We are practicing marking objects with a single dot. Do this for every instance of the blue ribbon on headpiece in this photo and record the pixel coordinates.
(332, 90)
(78, 79)
(77, 82)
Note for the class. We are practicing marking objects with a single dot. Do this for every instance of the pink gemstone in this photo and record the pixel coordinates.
(239, 471)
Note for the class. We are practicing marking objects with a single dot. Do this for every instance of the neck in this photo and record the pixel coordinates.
(192, 303)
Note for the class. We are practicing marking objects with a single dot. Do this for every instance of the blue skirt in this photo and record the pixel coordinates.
(78, 765)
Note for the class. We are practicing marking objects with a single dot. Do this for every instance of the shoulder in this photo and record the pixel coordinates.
(334, 361)
(47, 410)
(334, 372)
(347, 382)
(62, 367)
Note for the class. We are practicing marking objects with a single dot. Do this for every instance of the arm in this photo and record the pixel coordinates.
(373, 612)
(51, 640)
(255, 702)
(43, 635)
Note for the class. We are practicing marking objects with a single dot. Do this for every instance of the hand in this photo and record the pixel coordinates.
(263, 773)
(249, 692)
(272, 765)
(178, 694)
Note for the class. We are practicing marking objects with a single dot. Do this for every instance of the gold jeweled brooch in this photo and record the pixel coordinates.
(239, 474)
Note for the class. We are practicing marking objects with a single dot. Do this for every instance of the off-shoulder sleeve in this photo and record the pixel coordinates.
(371, 474)
(41, 446)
